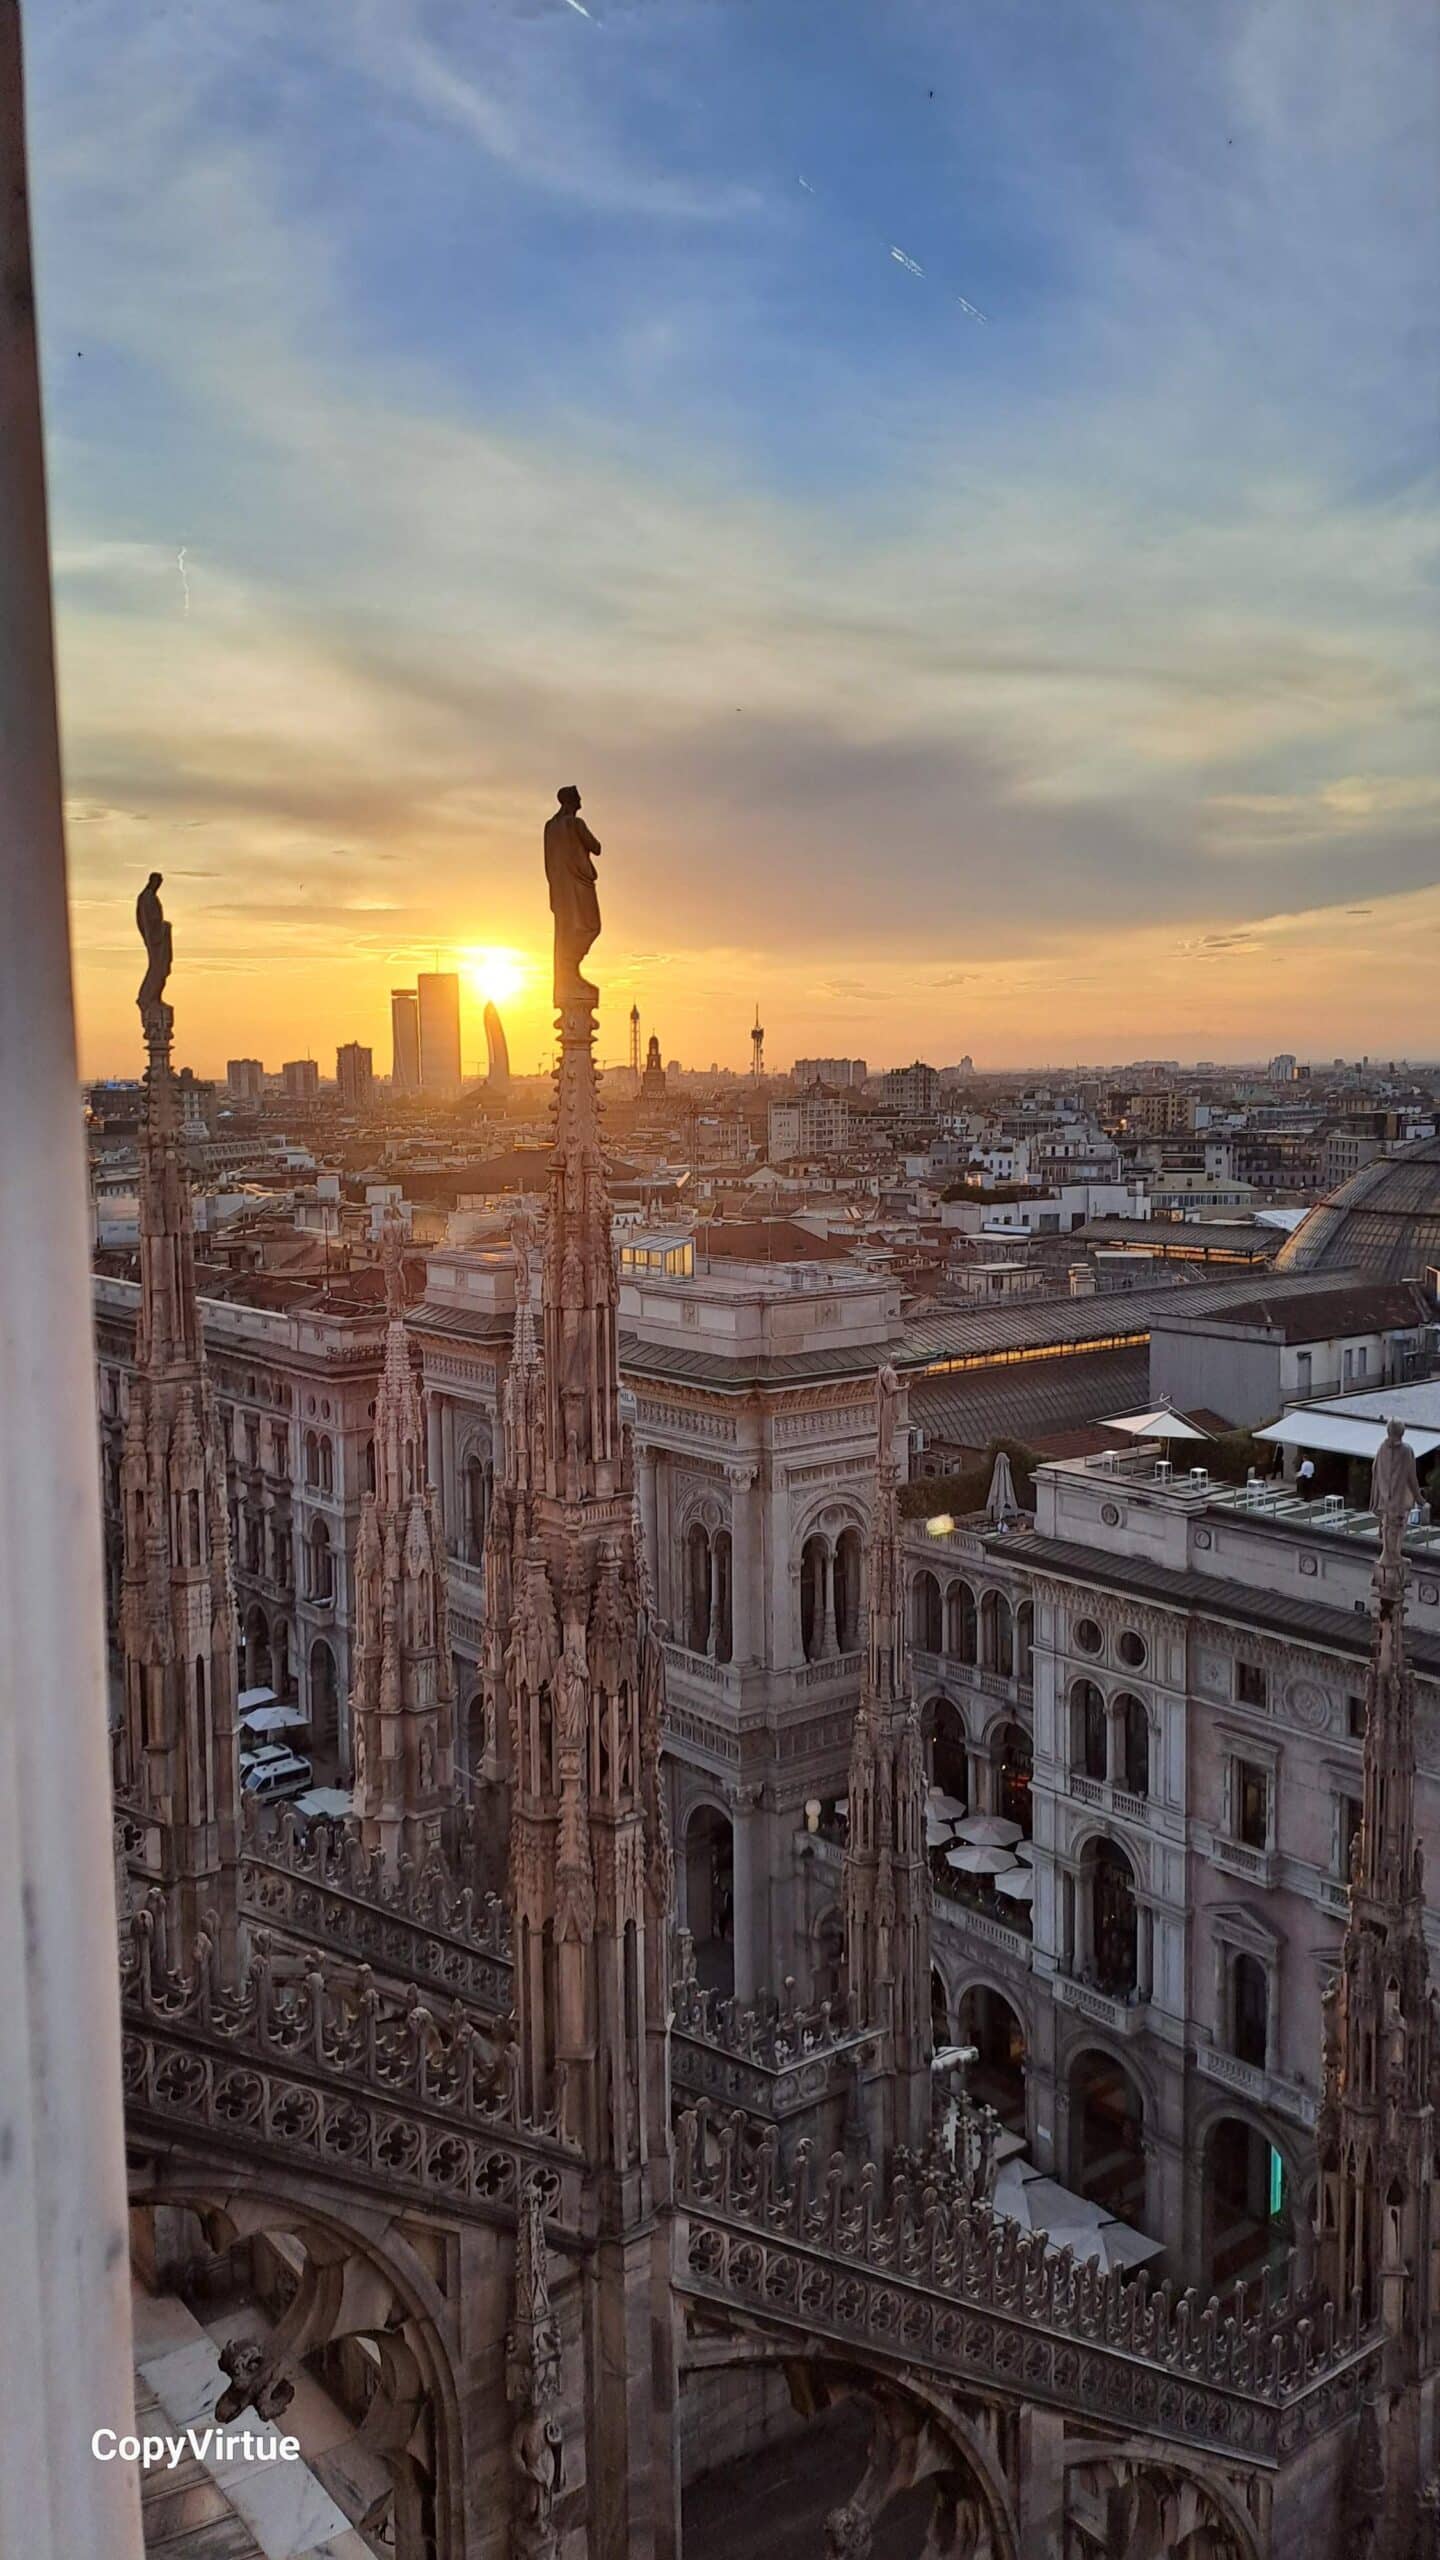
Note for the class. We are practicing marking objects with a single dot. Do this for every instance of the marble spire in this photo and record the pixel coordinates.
(589, 1871)
(1376, 2133)
(886, 1878)
(178, 1750)
(402, 1717)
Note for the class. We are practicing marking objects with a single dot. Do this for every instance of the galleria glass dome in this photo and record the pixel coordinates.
(1385, 1221)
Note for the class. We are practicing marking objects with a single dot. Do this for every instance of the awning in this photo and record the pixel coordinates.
(272, 1719)
(1343, 1435)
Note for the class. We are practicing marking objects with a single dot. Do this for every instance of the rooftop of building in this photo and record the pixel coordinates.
(1384, 1221)
(1347, 1306)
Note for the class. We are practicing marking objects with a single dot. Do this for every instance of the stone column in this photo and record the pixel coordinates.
(434, 1461)
(65, 2351)
(649, 1522)
(749, 1884)
(745, 1564)
(827, 1648)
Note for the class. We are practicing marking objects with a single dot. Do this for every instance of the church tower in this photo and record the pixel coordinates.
(402, 1715)
(178, 1749)
(1376, 2131)
(886, 1879)
(590, 1868)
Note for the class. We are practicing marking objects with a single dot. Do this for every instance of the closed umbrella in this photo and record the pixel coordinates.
(1000, 1502)
(988, 1831)
(971, 1861)
(1017, 1883)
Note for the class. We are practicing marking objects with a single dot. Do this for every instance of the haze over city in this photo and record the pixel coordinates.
(954, 487)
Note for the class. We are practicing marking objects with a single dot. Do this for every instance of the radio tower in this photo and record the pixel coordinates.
(757, 1049)
(635, 1046)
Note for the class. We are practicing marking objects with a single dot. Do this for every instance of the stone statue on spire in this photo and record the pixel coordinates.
(1394, 1491)
(570, 856)
(392, 1262)
(156, 936)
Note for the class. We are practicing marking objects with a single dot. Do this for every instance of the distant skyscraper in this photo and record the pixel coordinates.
(757, 1048)
(635, 1046)
(438, 991)
(405, 1040)
(497, 1050)
(244, 1079)
(300, 1079)
(355, 1074)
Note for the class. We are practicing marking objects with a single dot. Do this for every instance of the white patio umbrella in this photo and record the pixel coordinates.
(971, 1861)
(1161, 1422)
(1017, 1883)
(988, 1831)
(1025, 1851)
(332, 1802)
(937, 1829)
(945, 1808)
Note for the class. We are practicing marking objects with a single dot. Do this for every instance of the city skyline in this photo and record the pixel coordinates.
(1011, 454)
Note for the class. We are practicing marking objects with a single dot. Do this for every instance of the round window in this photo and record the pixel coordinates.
(1088, 1638)
(1132, 1648)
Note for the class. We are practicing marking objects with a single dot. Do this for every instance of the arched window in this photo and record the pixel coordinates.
(997, 2077)
(1014, 1764)
(1249, 2011)
(1134, 1744)
(1025, 1642)
(258, 1659)
(949, 1764)
(324, 1699)
(927, 1631)
(1114, 1922)
(997, 1635)
(1107, 2135)
(814, 1558)
(477, 1508)
(327, 1466)
(697, 1588)
(961, 1622)
(1087, 1730)
(847, 1590)
(710, 1897)
(312, 1460)
(1247, 2200)
(828, 1978)
(322, 1563)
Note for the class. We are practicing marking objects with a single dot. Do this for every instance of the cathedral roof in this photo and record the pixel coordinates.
(1384, 1221)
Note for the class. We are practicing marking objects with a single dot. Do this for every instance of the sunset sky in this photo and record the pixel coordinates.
(448, 399)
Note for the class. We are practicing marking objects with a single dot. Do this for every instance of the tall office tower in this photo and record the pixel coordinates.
(355, 1074)
(244, 1079)
(404, 1040)
(300, 1080)
(438, 991)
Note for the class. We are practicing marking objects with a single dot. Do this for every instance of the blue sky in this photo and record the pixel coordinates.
(536, 394)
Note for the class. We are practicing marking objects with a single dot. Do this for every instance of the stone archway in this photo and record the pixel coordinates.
(891, 2468)
(989, 2020)
(1151, 2503)
(710, 1896)
(1248, 2195)
(1107, 2135)
(313, 2298)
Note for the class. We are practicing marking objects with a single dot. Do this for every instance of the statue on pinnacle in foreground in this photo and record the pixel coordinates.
(570, 854)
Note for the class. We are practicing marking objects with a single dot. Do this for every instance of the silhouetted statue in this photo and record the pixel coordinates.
(570, 851)
(155, 934)
(1394, 1489)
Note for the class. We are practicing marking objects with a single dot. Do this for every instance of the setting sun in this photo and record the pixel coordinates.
(496, 976)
